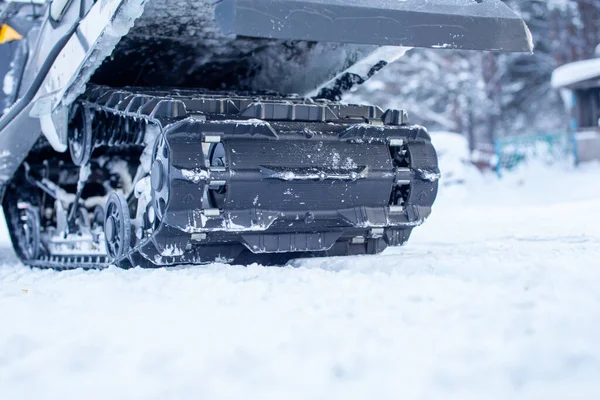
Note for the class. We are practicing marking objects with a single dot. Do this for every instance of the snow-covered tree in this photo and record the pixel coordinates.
(488, 95)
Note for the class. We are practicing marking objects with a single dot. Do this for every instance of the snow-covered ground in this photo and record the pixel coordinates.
(495, 297)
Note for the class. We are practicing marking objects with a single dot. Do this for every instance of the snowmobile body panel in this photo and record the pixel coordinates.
(16, 22)
(456, 24)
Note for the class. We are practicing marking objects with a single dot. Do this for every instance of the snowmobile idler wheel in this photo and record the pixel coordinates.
(80, 136)
(218, 158)
(117, 226)
(30, 233)
(159, 177)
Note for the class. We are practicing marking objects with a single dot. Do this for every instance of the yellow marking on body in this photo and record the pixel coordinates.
(8, 34)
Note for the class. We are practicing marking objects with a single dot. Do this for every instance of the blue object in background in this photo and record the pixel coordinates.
(511, 152)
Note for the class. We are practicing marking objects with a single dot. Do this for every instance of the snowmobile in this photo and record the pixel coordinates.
(164, 132)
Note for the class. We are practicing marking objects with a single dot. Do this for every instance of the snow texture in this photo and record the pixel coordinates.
(495, 297)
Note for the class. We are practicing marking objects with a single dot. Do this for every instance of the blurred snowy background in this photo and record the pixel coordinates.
(488, 96)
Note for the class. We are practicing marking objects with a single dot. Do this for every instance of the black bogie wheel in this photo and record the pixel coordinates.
(80, 136)
(117, 226)
(159, 176)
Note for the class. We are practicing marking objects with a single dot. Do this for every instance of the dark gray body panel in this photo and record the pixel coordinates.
(457, 24)
(18, 134)
(13, 55)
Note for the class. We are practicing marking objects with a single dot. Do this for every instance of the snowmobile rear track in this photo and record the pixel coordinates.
(292, 177)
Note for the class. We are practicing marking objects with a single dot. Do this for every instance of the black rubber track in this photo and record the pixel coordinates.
(163, 108)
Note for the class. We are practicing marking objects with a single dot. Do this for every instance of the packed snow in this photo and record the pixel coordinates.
(495, 297)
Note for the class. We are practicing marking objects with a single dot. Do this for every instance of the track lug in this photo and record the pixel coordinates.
(169, 109)
(395, 117)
